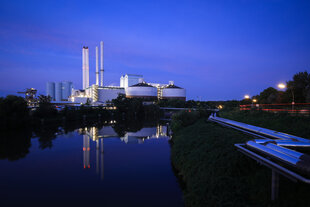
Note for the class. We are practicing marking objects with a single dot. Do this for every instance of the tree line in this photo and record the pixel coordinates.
(297, 90)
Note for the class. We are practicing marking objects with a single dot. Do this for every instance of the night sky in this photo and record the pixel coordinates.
(217, 50)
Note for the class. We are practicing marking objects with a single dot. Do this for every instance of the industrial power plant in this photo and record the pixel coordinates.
(131, 85)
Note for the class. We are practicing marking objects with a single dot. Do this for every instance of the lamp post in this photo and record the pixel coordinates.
(247, 97)
(283, 86)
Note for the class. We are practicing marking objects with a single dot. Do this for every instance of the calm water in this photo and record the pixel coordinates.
(89, 166)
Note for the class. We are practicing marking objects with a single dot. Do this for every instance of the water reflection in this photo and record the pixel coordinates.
(98, 134)
(127, 136)
(73, 163)
(15, 145)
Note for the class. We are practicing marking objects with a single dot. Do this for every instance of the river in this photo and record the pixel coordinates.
(89, 166)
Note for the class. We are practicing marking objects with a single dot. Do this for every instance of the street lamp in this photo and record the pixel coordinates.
(281, 85)
(254, 100)
(246, 97)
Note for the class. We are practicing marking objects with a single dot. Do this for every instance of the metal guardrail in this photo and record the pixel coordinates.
(271, 145)
(268, 163)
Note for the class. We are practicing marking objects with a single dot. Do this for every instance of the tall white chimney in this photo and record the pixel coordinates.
(101, 63)
(83, 67)
(86, 68)
(97, 66)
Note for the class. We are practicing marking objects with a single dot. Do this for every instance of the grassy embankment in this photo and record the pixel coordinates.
(283, 122)
(216, 174)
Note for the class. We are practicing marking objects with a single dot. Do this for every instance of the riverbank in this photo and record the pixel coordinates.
(214, 173)
(292, 124)
(16, 115)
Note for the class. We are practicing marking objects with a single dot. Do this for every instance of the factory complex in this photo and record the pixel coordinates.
(132, 86)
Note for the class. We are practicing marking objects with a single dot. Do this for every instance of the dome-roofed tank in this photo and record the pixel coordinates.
(172, 91)
(141, 90)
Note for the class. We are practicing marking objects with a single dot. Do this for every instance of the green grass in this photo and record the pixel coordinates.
(283, 122)
(216, 174)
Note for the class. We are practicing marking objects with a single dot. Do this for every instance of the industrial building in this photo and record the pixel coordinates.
(50, 90)
(141, 90)
(129, 80)
(59, 91)
(171, 91)
(133, 86)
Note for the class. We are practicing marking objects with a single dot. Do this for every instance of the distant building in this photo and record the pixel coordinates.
(50, 90)
(129, 80)
(59, 91)
(66, 90)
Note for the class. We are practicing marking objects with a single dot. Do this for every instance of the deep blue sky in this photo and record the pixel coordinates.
(217, 50)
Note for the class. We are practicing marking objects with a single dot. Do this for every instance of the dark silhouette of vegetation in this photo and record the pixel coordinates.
(177, 103)
(45, 109)
(225, 104)
(13, 112)
(299, 87)
(133, 108)
(15, 145)
(185, 118)
(46, 135)
(268, 96)
(297, 90)
(123, 126)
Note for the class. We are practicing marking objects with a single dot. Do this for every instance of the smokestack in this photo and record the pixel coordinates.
(85, 68)
(101, 63)
(97, 66)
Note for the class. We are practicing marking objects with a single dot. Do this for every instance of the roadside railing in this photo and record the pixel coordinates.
(296, 108)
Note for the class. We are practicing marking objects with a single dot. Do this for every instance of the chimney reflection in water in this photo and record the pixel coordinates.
(93, 133)
(86, 151)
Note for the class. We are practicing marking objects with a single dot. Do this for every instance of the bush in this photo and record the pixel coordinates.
(183, 119)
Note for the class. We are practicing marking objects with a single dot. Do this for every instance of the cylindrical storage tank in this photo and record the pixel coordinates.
(66, 89)
(173, 92)
(50, 90)
(58, 91)
(141, 90)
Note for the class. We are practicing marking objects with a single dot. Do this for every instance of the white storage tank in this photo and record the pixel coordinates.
(50, 90)
(172, 91)
(58, 91)
(141, 90)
